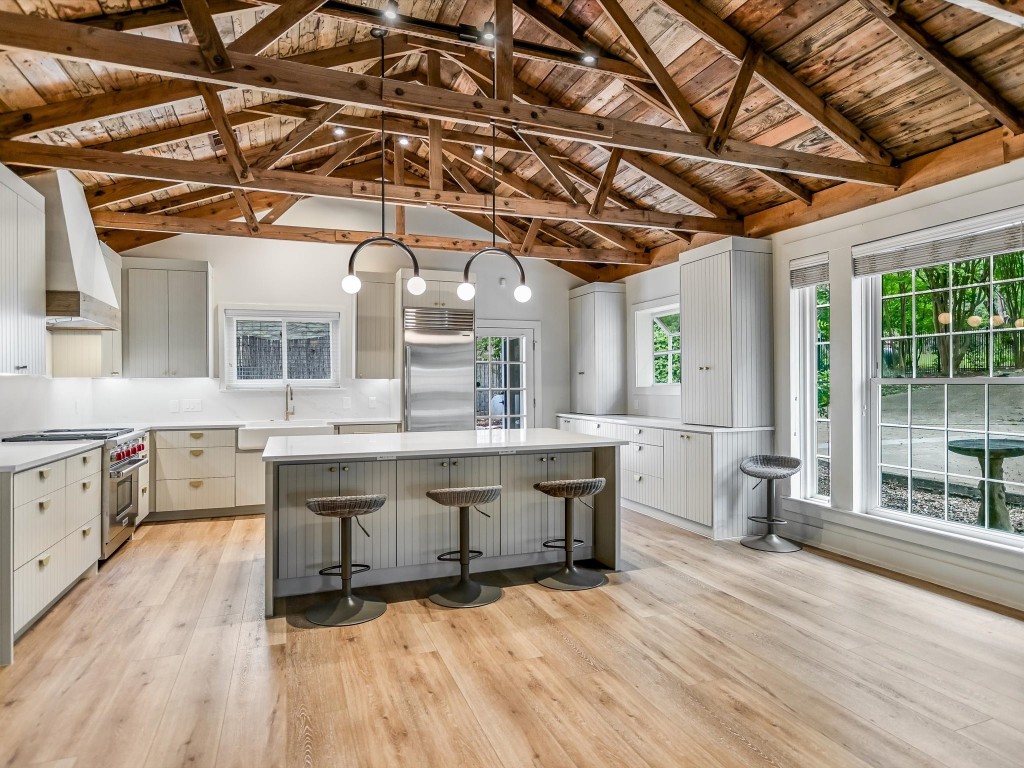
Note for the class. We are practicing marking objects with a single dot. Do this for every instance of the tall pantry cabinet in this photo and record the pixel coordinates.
(22, 277)
(597, 348)
(726, 333)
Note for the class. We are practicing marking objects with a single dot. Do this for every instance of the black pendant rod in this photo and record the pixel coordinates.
(383, 158)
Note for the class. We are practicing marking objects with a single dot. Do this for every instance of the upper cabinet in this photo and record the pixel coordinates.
(597, 349)
(726, 334)
(22, 277)
(439, 294)
(166, 318)
(375, 327)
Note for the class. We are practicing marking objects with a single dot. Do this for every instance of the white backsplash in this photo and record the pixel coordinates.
(31, 403)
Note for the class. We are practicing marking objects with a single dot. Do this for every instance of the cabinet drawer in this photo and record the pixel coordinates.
(81, 549)
(604, 429)
(35, 483)
(569, 425)
(79, 467)
(36, 583)
(644, 459)
(38, 525)
(646, 435)
(196, 438)
(209, 493)
(195, 463)
(81, 502)
(644, 489)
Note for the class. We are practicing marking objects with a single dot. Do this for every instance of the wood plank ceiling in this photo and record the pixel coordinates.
(625, 130)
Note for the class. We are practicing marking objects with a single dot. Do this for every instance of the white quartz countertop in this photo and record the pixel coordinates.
(158, 425)
(17, 457)
(659, 422)
(425, 444)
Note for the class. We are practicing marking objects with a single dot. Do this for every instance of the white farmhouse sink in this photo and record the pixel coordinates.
(254, 435)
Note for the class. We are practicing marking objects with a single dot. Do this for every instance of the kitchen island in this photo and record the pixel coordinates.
(404, 538)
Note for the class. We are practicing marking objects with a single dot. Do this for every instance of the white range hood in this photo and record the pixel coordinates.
(79, 277)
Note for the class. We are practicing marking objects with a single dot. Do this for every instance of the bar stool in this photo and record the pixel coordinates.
(349, 609)
(465, 593)
(569, 577)
(770, 468)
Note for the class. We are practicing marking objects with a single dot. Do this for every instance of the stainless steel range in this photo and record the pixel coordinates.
(125, 453)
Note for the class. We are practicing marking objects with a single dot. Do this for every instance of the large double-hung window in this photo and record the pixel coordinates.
(949, 384)
(809, 279)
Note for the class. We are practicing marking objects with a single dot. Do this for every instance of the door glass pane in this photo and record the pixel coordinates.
(309, 350)
(258, 350)
(500, 382)
(515, 375)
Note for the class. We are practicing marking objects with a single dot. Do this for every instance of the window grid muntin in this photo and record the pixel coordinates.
(287, 354)
(672, 355)
(497, 358)
(822, 340)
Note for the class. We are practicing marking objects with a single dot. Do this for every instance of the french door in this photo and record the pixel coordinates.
(505, 397)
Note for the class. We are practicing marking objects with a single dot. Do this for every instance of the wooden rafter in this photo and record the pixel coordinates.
(774, 75)
(604, 187)
(245, 206)
(291, 141)
(1007, 11)
(275, 24)
(211, 46)
(552, 166)
(678, 184)
(65, 40)
(236, 158)
(736, 94)
(434, 132)
(957, 72)
(681, 107)
(526, 248)
(398, 177)
(503, 50)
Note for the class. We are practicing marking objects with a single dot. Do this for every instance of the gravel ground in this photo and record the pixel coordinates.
(963, 506)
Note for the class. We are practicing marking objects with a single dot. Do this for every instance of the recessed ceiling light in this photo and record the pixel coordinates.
(338, 131)
(391, 10)
(403, 140)
(489, 30)
(478, 150)
(588, 58)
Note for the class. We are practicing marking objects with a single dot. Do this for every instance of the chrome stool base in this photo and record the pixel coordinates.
(346, 611)
(466, 593)
(770, 542)
(572, 579)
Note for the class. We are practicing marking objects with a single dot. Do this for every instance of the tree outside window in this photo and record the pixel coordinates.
(666, 348)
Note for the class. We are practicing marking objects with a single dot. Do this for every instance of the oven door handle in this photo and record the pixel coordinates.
(119, 474)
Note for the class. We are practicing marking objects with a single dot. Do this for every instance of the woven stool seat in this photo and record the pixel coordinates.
(465, 497)
(768, 467)
(345, 506)
(572, 489)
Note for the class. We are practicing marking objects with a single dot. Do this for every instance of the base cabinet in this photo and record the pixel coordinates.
(688, 488)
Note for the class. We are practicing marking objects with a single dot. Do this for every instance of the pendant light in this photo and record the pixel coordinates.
(466, 290)
(351, 282)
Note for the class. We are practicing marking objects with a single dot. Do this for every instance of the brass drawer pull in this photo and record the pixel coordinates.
(345, 468)
(86, 485)
(44, 505)
(86, 531)
(44, 561)
(196, 452)
(86, 459)
(196, 483)
(44, 474)
(196, 435)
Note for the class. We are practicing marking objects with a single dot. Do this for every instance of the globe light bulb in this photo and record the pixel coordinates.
(466, 291)
(945, 318)
(522, 293)
(997, 320)
(416, 285)
(351, 284)
(974, 321)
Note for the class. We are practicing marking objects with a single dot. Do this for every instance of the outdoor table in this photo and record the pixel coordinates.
(998, 451)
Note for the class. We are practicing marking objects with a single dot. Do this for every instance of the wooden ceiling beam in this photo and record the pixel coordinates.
(526, 247)
(959, 74)
(274, 25)
(647, 166)
(297, 135)
(774, 75)
(604, 187)
(1007, 11)
(69, 41)
(681, 106)
(211, 46)
(736, 94)
(159, 16)
(290, 182)
(236, 158)
(552, 166)
(192, 225)
(504, 75)
(434, 132)
(248, 213)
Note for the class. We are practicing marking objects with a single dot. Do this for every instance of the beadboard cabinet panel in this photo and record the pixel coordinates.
(375, 330)
(484, 532)
(424, 526)
(306, 543)
(525, 512)
(187, 495)
(147, 352)
(597, 348)
(36, 583)
(81, 501)
(250, 478)
(38, 524)
(194, 463)
(22, 278)
(187, 331)
(195, 438)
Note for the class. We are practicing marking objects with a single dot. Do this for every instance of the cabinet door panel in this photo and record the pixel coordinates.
(31, 289)
(8, 280)
(575, 358)
(426, 299)
(424, 527)
(448, 298)
(375, 331)
(525, 511)
(674, 462)
(187, 324)
(698, 478)
(484, 532)
(378, 550)
(571, 466)
(306, 543)
(147, 323)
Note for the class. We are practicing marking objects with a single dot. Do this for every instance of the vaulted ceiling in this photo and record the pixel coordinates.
(624, 130)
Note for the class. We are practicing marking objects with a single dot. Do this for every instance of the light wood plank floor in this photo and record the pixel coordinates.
(697, 654)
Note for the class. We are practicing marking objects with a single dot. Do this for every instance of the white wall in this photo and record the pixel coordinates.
(251, 271)
(655, 285)
(979, 568)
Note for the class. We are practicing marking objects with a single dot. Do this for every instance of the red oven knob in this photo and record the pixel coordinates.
(136, 449)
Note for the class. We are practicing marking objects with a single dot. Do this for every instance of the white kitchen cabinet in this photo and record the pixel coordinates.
(484, 530)
(424, 526)
(726, 334)
(85, 353)
(689, 476)
(597, 350)
(375, 328)
(439, 294)
(167, 318)
(194, 469)
(250, 479)
(22, 277)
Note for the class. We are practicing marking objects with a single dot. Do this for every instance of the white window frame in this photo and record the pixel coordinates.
(283, 315)
(805, 337)
(532, 364)
(643, 343)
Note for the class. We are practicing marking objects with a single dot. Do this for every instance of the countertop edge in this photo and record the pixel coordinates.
(658, 422)
(52, 452)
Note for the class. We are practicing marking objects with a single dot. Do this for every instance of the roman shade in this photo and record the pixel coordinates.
(808, 270)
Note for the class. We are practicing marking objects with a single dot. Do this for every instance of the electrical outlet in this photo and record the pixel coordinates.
(346, 402)
(172, 407)
(191, 406)
(371, 402)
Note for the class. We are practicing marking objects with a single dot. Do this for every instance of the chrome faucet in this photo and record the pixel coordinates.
(289, 396)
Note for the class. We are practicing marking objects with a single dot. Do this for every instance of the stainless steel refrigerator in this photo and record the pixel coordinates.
(440, 352)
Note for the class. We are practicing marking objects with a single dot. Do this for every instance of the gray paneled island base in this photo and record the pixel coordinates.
(404, 537)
